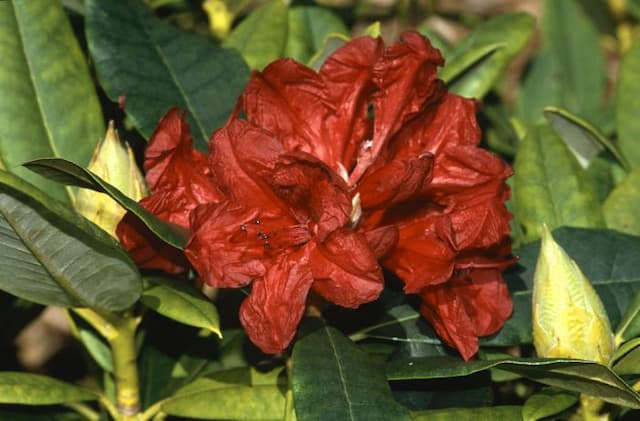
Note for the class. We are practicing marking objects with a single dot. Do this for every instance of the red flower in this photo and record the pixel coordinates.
(318, 176)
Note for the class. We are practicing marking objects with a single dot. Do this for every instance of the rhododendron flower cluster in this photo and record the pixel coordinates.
(319, 179)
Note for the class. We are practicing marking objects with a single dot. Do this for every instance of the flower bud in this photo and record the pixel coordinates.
(569, 320)
(113, 161)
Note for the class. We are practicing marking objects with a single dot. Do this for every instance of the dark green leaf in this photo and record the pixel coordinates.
(469, 414)
(569, 71)
(181, 303)
(51, 255)
(547, 402)
(156, 67)
(584, 140)
(630, 324)
(242, 393)
(48, 105)
(574, 375)
(262, 37)
(328, 367)
(620, 208)
(95, 344)
(550, 186)
(475, 65)
(38, 413)
(69, 173)
(34, 389)
(309, 26)
(628, 102)
(626, 359)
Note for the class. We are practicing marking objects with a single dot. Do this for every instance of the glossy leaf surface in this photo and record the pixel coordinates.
(48, 105)
(53, 256)
(155, 66)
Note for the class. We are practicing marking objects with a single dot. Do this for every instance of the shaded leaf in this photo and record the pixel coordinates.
(574, 375)
(34, 389)
(69, 173)
(469, 414)
(475, 65)
(242, 393)
(627, 103)
(550, 186)
(38, 413)
(584, 140)
(547, 402)
(51, 255)
(309, 26)
(155, 67)
(48, 105)
(626, 359)
(328, 367)
(262, 36)
(181, 303)
(569, 71)
(629, 326)
(620, 208)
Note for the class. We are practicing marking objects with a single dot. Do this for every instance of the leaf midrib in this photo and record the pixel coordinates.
(341, 374)
(173, 76)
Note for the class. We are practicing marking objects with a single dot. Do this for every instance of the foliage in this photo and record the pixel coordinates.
(160, 345)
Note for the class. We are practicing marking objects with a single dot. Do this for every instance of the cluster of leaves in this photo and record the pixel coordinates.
(572, 138)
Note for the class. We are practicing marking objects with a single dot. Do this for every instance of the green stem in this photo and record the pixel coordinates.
(120, 332)
(125, 368)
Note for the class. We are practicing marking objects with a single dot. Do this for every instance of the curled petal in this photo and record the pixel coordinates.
(468, 307)
(345, 270)
(271, 313)
(425, 253)
(406, 81)
(394, 182)
(382, 240)
(171, 162)
(312, 192)
(481, 226)
(230, 244)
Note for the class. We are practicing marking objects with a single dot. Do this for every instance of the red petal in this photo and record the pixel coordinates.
(347, 75)
(406, 80)
(382, 240)
(425, 253)
(276, 304)
(171, 163)
(468, 307)
(345, 270)
(231, 244)
(394, 182)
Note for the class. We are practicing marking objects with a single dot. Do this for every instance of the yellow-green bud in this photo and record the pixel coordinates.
(569, 320)
(114, 162)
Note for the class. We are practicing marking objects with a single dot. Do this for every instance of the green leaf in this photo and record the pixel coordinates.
(69, 173)
(181, 303)
(550, 186)
(574, 375)
(38, 413)
(242, 393)
(48, 105)
(627, 103)
(621, 206)
(547, 402)
(629, 327)
(156, 67)
(34, 389)
(51, 255)
(309, 26)
(626, 359)
(569, 71)
(95, 344)
(475, 65)
(584, 140)
(504, 412)
(262, 36)
(328, 367)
